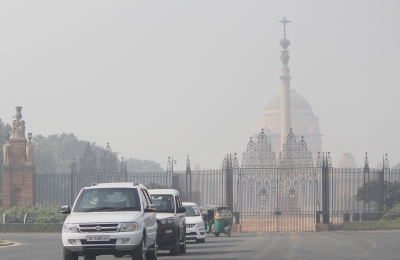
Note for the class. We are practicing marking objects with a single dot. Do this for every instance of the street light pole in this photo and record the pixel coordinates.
(170, 167)
(188, 194)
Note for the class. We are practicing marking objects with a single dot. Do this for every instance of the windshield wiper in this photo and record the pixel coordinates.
(98, 208)
(123, 208)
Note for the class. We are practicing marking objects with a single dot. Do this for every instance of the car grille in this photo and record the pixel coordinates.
(111, 242)
(99, 227)
(190, 225)
(191, 234)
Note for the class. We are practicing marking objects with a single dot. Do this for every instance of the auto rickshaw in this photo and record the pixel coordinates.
(217, 219)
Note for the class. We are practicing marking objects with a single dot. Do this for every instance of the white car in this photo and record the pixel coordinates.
(195, 229)
(111, 219)
(171, 220)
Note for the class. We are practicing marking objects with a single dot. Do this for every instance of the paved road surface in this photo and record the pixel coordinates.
(328, 245)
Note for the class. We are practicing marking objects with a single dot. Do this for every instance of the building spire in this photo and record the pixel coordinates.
(284, 43)
(284, 21)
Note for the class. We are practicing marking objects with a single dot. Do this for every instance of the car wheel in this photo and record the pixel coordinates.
(139, 253)
(152, 254)
(69, 255)
(201, 240)
(90, 257)
(182, 248)
(216, 234)
(175, 249)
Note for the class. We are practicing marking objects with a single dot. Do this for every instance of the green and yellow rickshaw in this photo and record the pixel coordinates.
(217, 219)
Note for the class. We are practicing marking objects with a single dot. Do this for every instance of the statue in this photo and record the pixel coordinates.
(18, 115)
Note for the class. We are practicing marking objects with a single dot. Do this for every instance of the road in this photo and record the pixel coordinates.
(363, 245)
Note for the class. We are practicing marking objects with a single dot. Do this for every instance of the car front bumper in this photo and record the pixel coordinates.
(77, 242)
(195, 233)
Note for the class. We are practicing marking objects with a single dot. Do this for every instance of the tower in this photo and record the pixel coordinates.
(18, 167)
(289, 110)
(285, 86)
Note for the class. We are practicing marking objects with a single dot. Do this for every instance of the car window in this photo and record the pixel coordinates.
(164, 203)
(192, 211)
(147, 196)
(177, 201)
(145, 200)
(107, 199)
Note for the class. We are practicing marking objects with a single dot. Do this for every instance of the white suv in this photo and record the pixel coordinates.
(195, 229)
(111, 219)
(171, 232)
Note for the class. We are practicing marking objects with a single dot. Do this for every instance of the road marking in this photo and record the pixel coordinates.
(372, 247)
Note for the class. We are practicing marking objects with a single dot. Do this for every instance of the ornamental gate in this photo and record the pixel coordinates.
(278, 195)
(92, 172)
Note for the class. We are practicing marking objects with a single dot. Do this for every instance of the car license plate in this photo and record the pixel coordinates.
(98, 238)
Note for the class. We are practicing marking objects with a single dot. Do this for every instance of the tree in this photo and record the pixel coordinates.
(135, 165)
(54, 154)
(370, 191)
(5, 129)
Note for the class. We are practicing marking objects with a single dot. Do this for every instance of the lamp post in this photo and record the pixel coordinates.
(188, 185)
(170, 167)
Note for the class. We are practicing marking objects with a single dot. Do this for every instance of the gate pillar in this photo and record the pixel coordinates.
(325, 189)
(228, 169)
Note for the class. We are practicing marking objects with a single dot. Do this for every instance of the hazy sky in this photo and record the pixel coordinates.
(171, 78)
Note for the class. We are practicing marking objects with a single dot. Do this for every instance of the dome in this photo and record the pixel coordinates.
(297, 103)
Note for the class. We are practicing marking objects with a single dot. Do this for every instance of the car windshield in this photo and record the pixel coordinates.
(164, 203)
(192, 210)
(108, 199)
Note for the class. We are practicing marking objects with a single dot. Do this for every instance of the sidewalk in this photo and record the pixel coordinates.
(5, 243)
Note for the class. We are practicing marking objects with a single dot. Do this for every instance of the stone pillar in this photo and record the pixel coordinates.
(18, 167)
(285, 86)
(286, 118)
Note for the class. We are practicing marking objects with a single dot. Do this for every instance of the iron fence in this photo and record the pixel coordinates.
(293, 192)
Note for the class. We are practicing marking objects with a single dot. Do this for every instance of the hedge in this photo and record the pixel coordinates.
(371, 225)
(31, 227)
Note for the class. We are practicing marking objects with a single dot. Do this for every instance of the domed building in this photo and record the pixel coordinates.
(303, 122)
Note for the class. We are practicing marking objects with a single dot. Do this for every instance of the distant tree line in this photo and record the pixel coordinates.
(54, 154)
(5, 129)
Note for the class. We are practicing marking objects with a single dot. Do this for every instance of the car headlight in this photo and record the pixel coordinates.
(200, 225)
(70, 228)
(128, 226)
(167, 221)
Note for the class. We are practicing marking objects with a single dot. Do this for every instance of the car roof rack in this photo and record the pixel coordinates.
(92, 184)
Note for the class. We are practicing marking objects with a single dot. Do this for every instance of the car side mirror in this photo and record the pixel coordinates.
(205, 214)
(65, 209)
(151, 208)
(181, 210)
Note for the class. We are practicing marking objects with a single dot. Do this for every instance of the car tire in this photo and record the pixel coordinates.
(201, 240)
(69, 255)
(175, 249)
(90, 257)
(182, 248)
(139, 253)
(216, 234)
(152, 254)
